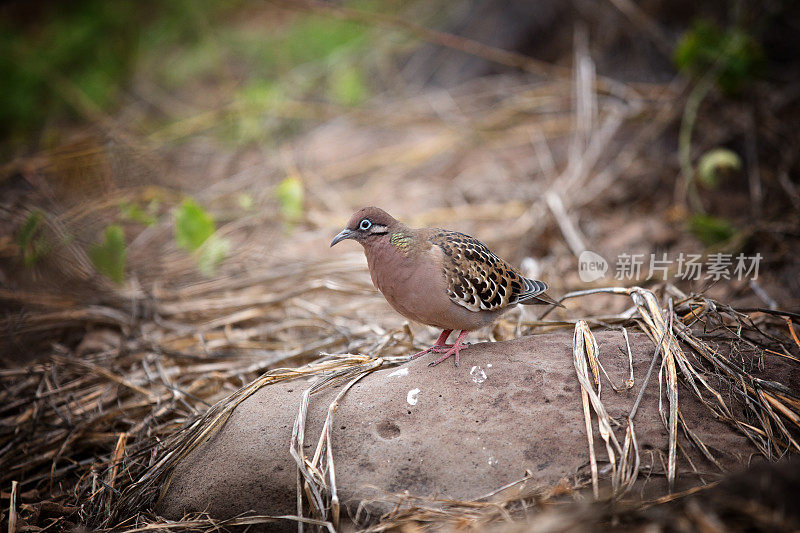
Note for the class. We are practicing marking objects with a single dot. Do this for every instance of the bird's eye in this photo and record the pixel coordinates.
(365, 224)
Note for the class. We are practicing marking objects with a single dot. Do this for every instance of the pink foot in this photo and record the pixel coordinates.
(454, 350)
(438, 346)
(441, 348)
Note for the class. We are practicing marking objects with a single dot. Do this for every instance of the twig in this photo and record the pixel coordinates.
(571, 233)
(12, 508)
(635, 14)
(696, 97)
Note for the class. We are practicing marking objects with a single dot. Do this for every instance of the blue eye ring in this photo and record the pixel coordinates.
(365, 224)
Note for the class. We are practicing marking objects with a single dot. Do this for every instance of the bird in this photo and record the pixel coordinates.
(438, 277)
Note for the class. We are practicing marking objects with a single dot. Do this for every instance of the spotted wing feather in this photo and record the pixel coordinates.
(479, 280)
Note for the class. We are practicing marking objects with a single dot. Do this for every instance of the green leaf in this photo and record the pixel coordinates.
(30, 228)
(714, 164)
(290, 196)
(245, 201)
(31, 241)
(347, 85)
(211, 255)
(318, 37)
(733, 54)
(193, 225)
(110, 255)
(259, 97)
(710, 229)
(134, 213)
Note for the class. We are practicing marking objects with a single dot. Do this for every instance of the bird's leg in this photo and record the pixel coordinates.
(454, 350)
(439, 345)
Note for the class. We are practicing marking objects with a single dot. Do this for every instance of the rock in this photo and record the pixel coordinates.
(453, 432)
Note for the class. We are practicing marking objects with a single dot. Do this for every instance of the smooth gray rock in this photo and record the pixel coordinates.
(509, 407)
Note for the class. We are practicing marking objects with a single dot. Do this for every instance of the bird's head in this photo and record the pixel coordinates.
(367, 225)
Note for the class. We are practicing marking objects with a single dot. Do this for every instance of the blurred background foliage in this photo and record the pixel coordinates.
(92, 45)
(249, 63)
(51, 51)
(235, 74)
(261, 57)
(731, 55)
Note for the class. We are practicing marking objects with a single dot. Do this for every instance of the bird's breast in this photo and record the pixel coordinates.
(391, 270)
(402, 275)
(416, 287)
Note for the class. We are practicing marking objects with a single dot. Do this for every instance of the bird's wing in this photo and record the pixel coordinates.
(476, 278)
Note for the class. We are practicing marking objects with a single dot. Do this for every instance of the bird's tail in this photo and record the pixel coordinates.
(536, 295)
(541, 299)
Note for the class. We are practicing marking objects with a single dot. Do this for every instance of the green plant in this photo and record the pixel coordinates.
(195, 232)
(211, 254)
(53, 54)
(711, 230)
(245, 201)
(110, 255)
(134, 213)
(193, 225)
(289, 193)
(714, 164)
(31, 240)
(713, 57)
(731, 55)
(87, 45)
(316, 37)
(347, 85)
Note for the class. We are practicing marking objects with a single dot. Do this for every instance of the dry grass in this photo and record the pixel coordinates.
(100, 435)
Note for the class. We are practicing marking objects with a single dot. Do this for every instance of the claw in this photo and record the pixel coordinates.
(438, 346)
(448, 349)
(454, 350)
(442, 348)
(423, 352)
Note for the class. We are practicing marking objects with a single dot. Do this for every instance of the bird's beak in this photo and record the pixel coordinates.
(344, 234)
